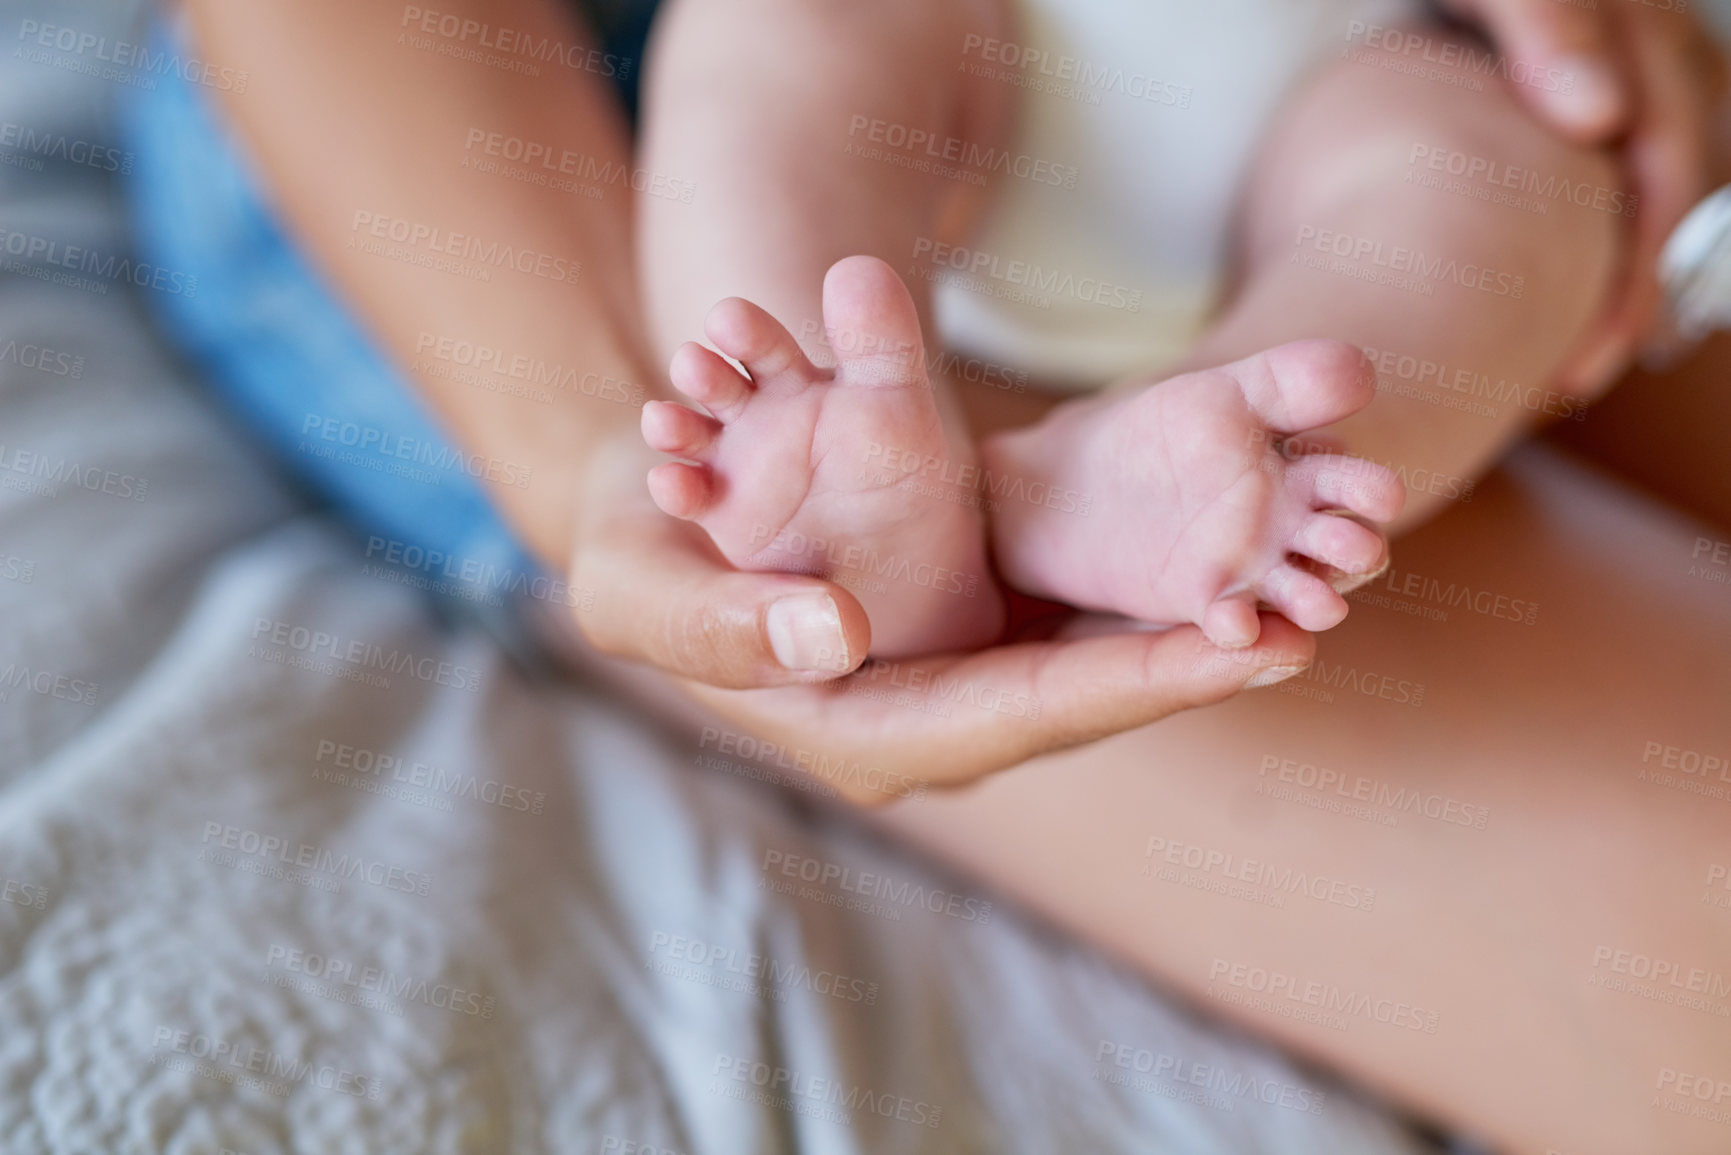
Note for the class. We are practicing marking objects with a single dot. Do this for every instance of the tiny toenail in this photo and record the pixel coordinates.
(1272, 675)
(805, 633)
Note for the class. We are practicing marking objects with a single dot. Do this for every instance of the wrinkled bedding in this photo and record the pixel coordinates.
(291, 863)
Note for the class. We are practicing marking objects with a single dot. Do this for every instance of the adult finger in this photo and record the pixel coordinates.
(663, 594)
(1680, 75)
(948, 720)
(1563, 62)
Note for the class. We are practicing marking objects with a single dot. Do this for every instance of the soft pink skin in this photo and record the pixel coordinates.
(1195, 507)
(787, 454)
(1193, 510)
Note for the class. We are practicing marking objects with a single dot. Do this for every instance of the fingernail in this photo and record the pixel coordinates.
(1345, 583)
(1272, 675)
(1589, 91)
(805, 633)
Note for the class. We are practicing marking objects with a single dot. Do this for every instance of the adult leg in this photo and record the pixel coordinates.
(1532, 939)
(1666, 432)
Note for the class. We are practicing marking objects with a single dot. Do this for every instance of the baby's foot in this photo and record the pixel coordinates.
(1193, 511)
(778, 471)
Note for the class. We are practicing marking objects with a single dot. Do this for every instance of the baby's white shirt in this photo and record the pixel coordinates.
(1105, 248)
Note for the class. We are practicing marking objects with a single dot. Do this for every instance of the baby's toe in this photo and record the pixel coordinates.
(1231, 622)
(674, 429)
(1333, 481)
(1306, 384)
(710, 381)
(758, 341)
(681, 490)
(1340, 542)
(1305, 599)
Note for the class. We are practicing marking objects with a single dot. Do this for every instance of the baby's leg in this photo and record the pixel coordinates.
(776, 114)
(1469, 292)
(1440, 227)
(779, 116)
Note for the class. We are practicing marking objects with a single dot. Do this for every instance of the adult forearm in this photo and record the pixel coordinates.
(475, 216)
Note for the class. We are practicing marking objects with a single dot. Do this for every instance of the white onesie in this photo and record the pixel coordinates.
(1139, 121)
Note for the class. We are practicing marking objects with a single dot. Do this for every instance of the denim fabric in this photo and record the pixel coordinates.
(285, 356)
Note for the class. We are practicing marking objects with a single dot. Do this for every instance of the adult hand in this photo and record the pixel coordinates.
(1643, 72)
(663, 595)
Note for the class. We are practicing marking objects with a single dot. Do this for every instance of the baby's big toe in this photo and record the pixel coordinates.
(1306, 384)
(872, 325)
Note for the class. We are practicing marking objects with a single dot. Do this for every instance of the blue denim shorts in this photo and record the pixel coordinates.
(278, 349)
